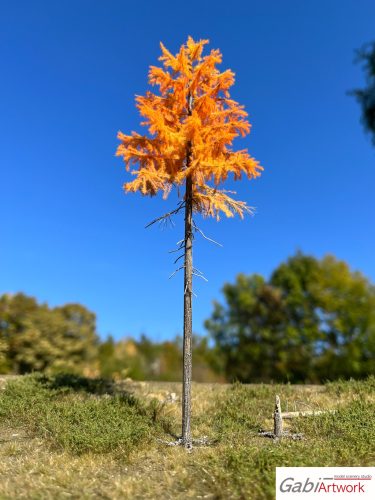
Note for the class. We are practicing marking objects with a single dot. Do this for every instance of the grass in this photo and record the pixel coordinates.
(70, 437)
(70, 417)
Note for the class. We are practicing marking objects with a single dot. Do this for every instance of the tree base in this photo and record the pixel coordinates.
(203, 441)
(284, 434)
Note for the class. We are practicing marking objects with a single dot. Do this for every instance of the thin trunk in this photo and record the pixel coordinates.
(188, 318)
(188, 313)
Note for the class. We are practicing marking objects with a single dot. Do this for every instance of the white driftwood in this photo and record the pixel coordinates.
(293, 414)
(278, 431)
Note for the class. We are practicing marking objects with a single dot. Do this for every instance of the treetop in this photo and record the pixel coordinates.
(192, 122)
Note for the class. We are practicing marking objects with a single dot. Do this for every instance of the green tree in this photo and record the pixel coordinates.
(347, 304)
(299, 281)
(312, 320)
(249, 330)
(39, 338)
(107, 358)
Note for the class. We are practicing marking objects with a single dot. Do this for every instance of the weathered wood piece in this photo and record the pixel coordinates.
(278, 431)
(277, 419)
(293, 414)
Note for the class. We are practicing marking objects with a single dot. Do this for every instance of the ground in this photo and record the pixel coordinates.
(69, 437)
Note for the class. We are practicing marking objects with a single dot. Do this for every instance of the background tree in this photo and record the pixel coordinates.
(299, 282)
(192, 123)
(347, 313)
(39, 338)
(312, 320)
(145, 359)
(366, 96)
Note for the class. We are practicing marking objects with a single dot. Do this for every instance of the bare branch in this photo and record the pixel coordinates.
(199, 276)
(176, 250)
(181, 245)
(179, 257)
(167, 216)
(176, 271)
(204, 236)
(198, 271)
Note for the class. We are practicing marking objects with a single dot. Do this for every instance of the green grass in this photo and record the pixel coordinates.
(72, 417)
(247, 463)
(67, 436)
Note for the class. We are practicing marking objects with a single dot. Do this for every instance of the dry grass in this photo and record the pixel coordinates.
(239, 465)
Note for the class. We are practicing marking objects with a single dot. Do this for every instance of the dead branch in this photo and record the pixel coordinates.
(200, 276)
(168, 215)
(204, 236)
(313, 413)
(179, 257)
(176, 271)
(180, 247)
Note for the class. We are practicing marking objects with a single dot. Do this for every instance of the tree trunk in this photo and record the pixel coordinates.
(188, 318)
(188, 293)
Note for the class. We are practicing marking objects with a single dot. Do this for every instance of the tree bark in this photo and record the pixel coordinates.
(188, 312)
(188, 317)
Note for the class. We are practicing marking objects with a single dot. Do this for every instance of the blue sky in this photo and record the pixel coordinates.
(70, 71)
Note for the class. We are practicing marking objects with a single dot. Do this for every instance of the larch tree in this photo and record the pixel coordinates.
(192, 123)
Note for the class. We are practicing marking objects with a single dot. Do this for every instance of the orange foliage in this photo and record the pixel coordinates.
(196, 143)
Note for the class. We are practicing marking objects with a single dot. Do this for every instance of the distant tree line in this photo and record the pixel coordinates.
(36, 337)
(145, 359)
(312, 320)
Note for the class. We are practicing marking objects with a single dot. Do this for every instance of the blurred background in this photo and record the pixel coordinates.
(84, 287)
